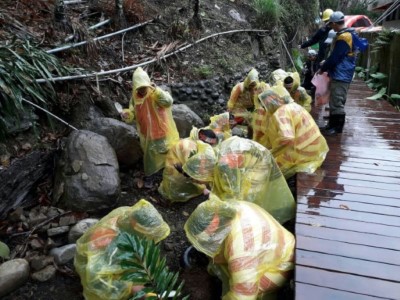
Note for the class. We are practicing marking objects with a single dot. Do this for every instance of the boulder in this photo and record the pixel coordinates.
(185, 119)
(122, 137)
(87, 175)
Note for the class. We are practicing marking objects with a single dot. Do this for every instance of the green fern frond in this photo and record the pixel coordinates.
(140, 259)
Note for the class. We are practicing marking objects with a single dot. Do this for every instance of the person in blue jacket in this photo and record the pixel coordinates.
(340, 66)
(320, 37)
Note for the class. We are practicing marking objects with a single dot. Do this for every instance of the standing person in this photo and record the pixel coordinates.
(340, 66)
(320, 37)
(150, 106)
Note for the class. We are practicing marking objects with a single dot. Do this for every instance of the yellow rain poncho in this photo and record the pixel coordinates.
(298, 93)
(292, 136)
(153, 115)
(261, 116)
(244, 170)
(241, 101)
(100, 277)
(251, 252)
(175, 186)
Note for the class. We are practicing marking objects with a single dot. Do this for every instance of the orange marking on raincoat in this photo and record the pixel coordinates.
(243, 263)
(153, 121)
(213, 226)
(246, 288)
(233, 160)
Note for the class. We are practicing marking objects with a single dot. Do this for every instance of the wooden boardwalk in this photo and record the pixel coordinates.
(348, 213)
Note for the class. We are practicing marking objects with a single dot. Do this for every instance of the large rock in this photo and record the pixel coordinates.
(13, 274)
(87, 176)
(185, 118)
(122, 137)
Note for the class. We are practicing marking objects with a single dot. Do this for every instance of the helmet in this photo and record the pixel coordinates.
(326, 14)
(312, 52)
(336, 17)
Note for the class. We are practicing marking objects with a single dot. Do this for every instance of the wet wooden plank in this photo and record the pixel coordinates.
(312, 292)
(334, 182)
(340, 195)
(316, 202)
(361, 252)
(348, 265)
(346, 282)
(348, 214)
(359, 238)
(347, 225)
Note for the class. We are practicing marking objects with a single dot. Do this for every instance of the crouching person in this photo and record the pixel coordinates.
(249, 250)
(95, 259)
(292, 135)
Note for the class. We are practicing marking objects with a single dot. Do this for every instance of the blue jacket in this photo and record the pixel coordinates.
(341, 64)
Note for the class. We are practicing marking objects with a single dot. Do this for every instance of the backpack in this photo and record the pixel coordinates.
(359, 43)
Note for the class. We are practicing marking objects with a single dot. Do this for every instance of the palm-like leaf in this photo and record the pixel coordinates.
(142, 264)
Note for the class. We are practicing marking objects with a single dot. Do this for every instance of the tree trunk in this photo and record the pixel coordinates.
(19, 181)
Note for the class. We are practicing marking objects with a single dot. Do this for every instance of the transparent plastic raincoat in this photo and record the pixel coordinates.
(251, 252)
(100, 277)
(261, 116)
(292, 136)
(175, 186)
(298, 93)
(153, 115)
(241, 101)
(244, 170)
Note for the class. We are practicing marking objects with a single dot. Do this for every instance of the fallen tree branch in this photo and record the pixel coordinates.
(97, 38)
(49, 113)
(102, 73)
(95, 26)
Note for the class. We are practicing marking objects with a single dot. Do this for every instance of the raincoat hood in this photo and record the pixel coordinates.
(200, 166)
(209, 225)
(274, 98)
(252, 77)
(143, 218)
(141, 79)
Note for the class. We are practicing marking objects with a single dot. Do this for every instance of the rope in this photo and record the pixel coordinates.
(288, 53)
(387, 12)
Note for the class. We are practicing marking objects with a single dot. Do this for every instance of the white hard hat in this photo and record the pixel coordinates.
(312, 52)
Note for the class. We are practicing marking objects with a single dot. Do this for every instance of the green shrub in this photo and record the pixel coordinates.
(269, 12)
(21, 63)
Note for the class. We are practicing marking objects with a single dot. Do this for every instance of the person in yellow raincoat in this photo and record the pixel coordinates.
(177, 187)
(150, 106)
(291, 81)
(249, 250)
(243, 95)
(260, 115)
(241, 169)
(100, 276)
(292, 135)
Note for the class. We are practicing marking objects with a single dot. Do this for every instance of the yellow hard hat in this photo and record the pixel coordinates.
(326, 14)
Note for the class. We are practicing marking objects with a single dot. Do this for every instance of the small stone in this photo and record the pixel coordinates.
(64, 254)
(45, 274)
(57, 230)
(185, 213)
